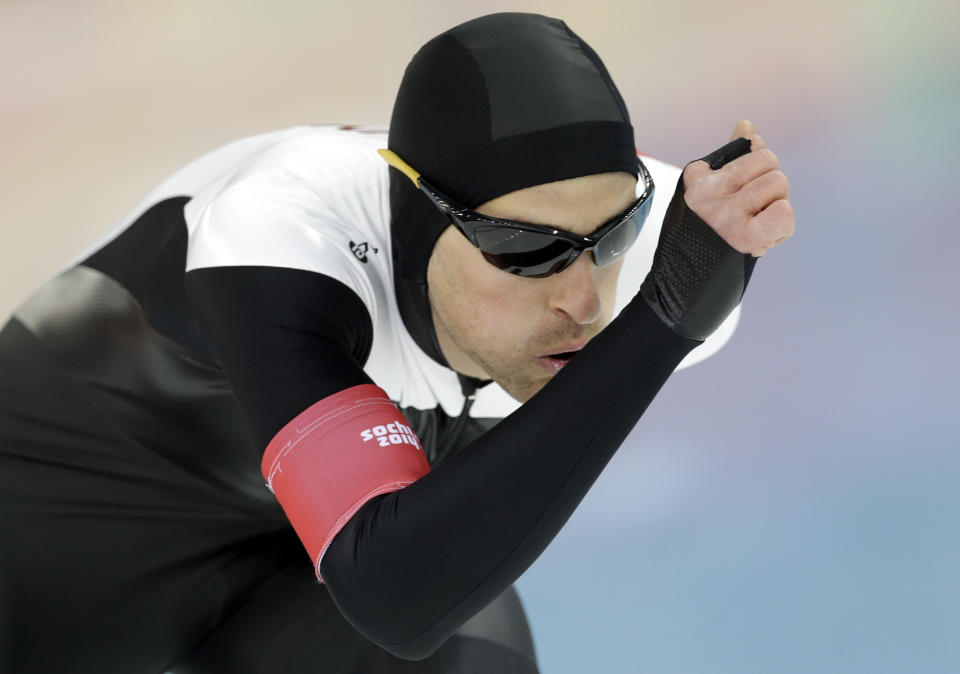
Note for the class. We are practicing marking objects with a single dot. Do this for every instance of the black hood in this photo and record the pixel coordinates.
(496, 104)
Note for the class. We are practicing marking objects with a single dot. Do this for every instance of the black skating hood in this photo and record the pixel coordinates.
(496, 104)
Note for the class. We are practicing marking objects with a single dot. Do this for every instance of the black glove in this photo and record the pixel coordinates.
(697, 278)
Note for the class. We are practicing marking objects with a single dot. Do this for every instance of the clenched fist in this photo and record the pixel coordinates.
(745, 201)
(729, 208)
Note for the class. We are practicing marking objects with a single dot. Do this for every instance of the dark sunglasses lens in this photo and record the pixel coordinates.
(618, 240)
(523, 252)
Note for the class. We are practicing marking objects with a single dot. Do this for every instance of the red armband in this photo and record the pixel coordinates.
(337, 455)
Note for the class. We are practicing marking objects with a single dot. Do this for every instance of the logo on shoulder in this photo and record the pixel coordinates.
(360, 250)
(391, 434)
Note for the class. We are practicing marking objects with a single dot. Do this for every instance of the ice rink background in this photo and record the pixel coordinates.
(791, 505)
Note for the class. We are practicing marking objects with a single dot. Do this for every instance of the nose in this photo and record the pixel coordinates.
(574, 292)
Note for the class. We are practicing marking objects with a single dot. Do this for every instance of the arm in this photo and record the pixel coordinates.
(412, 565)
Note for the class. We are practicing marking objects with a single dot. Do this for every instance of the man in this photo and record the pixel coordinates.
(349, 333)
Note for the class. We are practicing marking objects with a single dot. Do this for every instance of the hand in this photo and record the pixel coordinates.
(745, 201)
(728, 209)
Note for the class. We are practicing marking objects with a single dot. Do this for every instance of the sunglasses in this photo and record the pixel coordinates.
(530, 250)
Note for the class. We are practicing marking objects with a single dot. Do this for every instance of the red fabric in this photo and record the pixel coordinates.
(337, 455)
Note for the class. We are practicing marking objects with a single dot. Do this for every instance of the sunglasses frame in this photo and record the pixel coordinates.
(467, 221)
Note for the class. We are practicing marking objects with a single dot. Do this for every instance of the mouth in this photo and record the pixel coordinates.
(556, 360)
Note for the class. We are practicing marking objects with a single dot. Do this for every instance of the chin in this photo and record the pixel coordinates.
(522, 391)
(518, 378)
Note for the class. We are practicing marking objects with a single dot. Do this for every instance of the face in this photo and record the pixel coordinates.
(494, 325)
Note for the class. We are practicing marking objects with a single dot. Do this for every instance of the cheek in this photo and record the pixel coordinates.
(473, 294)
(606, 280)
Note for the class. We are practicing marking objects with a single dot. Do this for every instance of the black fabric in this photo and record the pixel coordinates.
(117, 559)
(512, 51)
(143, 532)
(147, 259)
(496, 104)
(289, 625)
(492, 508)
(286, 338)
(722, 156)
(155, 392)
(507, 101)
(697, 278)
(131, 484)
(441, 435)
(413, 302)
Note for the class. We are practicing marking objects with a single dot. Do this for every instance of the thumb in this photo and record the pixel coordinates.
(744, 129)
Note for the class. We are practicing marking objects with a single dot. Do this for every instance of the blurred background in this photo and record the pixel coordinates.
(790, 505)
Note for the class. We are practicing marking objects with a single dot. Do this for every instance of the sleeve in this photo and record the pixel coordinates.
(408, 555)
(275, 292)
(409, 566)
(485, 515)
(292, 343)
(286, 338)
(413, 565)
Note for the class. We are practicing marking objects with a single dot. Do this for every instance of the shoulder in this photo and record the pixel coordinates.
(313, 198)
(328, 164)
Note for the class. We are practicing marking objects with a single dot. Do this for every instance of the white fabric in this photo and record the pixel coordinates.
(301, 198)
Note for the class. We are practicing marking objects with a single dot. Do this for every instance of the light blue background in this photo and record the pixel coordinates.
(793, 504)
